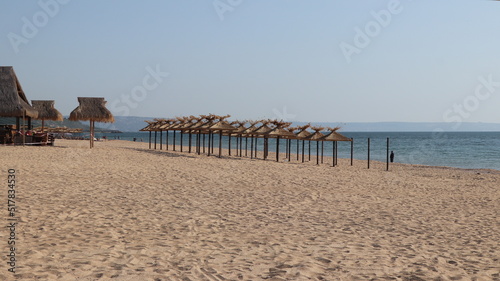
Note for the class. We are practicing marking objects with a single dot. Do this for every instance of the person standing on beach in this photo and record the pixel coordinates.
(392, 156)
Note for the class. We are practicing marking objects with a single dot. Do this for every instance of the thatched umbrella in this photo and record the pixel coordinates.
(46, 111)
(261, 131)
(220, 127)
(13, 101)
(92, 109)
(280, 132)
(316, 136)
(334, 136)
(302, 135)
(247, 132)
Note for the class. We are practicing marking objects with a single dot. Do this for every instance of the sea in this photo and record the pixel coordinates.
(468, 150)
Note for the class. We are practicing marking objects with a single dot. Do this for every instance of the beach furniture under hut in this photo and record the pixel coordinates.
(92, 110)
(13, 103)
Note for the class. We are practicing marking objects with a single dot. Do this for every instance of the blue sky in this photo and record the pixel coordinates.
(420, 61)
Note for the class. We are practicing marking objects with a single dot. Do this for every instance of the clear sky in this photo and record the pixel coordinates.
(320, 61)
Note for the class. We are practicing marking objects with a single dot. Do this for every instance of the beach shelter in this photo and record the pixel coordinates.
(222, 126)
(302, 135)
(334, 136)
(279, 133)
(316, 136)
(92, 110)
(262, 131)
(46, 111)
(13, 101)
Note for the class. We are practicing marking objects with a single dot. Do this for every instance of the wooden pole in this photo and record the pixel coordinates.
(322, 150)
(156, 133)
(333, 153)
(352, 150)
(317, 152)
(24, 128)
(298, 149)
(309, 150)
(149, 139)
(190, 140)
(289, 150)
(251, 148)
(209, 142)
(174, 140)
(387, 169)
(241, 145)
(182, 144)
(166, 139)
(368, 153)
(336, 153)
(220, 143)
(229, 136)
(161, 140)
(303, 149)
(246, 145)
(277, 149)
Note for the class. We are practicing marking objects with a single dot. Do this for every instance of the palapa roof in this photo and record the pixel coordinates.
(280, 132)
(222, 125)
(92, 109)
(46, 110)
(13, 101)
(315, 136)
(303, 134)
(334, 136)
(262, 130)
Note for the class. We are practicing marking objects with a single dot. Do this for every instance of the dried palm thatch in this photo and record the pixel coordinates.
(46, 110)
(335, 136)
(13, 101)
(93, 109)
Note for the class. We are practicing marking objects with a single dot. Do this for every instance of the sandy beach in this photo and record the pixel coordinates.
(120, 211)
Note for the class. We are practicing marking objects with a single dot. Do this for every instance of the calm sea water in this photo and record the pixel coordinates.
(454, 149)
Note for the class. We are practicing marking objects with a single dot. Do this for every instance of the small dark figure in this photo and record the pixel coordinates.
(392, 156)
(135, 139)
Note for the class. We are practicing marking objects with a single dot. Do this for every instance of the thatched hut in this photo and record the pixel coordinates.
(13, 101)
(46, 111)
(92, 109)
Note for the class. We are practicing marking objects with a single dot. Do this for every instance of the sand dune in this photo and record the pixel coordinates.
(123, 212)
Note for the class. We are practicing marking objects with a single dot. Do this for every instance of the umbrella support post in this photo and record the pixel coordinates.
(166, 140)
(246, 146)
(161, 140)
(368, 153)
(309, 150)
(303, 146)
(174, 141)
(156, 133)
(317, 152)
(278, 149)
(182, 144)
(190, 139)
(209, 142)
(220, 144)
(352, 150)
(322, 151)
(149, 139)
(229, 136)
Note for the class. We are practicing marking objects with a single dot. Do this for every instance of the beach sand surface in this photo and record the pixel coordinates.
(120, 211)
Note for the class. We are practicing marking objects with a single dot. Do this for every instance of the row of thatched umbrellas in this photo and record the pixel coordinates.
(207, 126)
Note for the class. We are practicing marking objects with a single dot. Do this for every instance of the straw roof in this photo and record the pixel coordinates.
(13, 101)
(92, 109)
(280, 132)
(317, 135)
(334, 136)
(46, 110)
(222, 125)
